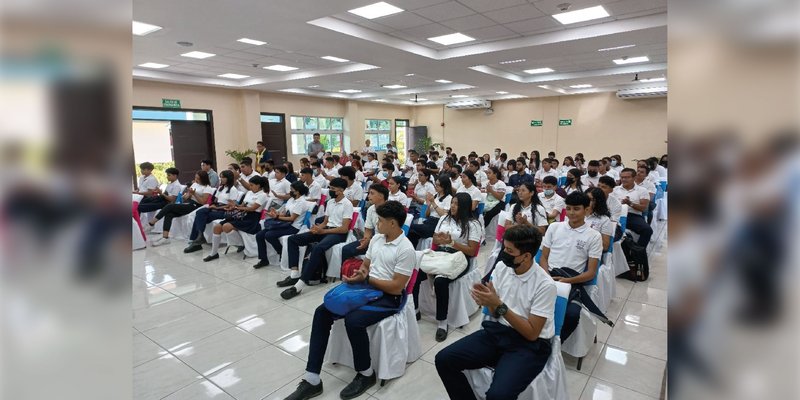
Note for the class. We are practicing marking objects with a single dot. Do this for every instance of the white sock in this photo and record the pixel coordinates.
(312, 378)
(295, 273)
(442, 324)
(366, 372)
(299, 285)
(215, 244)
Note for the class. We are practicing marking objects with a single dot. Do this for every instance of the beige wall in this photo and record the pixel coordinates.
(602, 124)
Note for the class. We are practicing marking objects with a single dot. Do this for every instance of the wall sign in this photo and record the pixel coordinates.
(170, 103)
(564, 122)
(536, 122)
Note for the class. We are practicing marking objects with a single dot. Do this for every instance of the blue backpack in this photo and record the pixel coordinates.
(348, 297)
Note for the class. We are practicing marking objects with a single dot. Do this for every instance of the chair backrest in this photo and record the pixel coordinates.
(501, 225)
(562, 181)
(508, 196)
(210, 200)
(423, 210)
(307, 219)
(663, 185)
(538, 255)
(411, 282)
(623, 217)
(563, 216)
(480, 208)
(407, 203)
(264, 213)
(362, 203)
(596, 274)
(562, 294)
(407, 224)
(323, 197)
(353, 220)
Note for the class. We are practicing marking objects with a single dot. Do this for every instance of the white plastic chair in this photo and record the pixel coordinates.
(617, 261)
(334, 254)
(551, 383)
(461, 306)
(302, 249)
(502, 217)
(585, 335)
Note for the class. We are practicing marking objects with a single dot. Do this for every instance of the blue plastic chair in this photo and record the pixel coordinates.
(663, 185)
(508, 197)
(480, 208)
(307, 219)
(559, 314)
(538, 255)
(562, 181)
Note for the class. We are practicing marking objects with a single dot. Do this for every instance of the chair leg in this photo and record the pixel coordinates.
(383, 382)
(595, 338)
(580, 363)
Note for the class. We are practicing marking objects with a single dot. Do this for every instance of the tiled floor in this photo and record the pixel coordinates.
(220, 330)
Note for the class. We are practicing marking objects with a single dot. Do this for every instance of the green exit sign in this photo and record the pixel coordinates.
(536, 122)
(170, 103)
(564, 122)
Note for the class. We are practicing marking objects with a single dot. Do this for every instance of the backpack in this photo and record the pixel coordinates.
(637, 261)
(350, 266)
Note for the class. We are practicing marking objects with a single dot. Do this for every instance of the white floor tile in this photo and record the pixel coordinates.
(259, 374)
(219, 350)
(200, 390)
(631, 370)
(647, 295)
(183, 333)
(576, 381)
(421, 381)
(157, 378)
(216, 295)
(145, 350)
(645, 314)
(243, 308)
(296, 343)
(452, 337)
(638, 338)
(164, 313)
(277, 324)
(597, 389)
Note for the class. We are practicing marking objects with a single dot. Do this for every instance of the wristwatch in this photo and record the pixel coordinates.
(500, 310)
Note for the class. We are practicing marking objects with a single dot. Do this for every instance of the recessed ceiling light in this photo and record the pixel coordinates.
(376, 10)
(380, 100)
(538, 71)
(452, 38)
(198, 54)
(631, 60)
(153, 65)
(458, 96)
(291, 90)
(332, 58)
(141, 28)
(544, 86)
(280, 68)
(350, 91)
(513, 61)
(313, 86)
(252, 41)
(409, 74)
(582, 86)
(419, 99)
(443, 81)
(501, 92)
(661, 79)
(394, 86)
(627, 46)
(585, 14)
(233, 76)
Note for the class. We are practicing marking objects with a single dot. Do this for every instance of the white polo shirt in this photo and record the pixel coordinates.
(481, 178)
(259, 197)
(588, 181)
(499, 187)
(298, 206)
(200, 189)
(540, 174)
(246, 179)
(360, 177)
(572, 248)
(314, 191)
(613, 174)
(449, 225)
(354, 192)
(423, 189)
(473, 191)
(533, 292)
(456, 184)
(280, 187)
(636, 195)
(443, 204)
(602, 224)
(439, 163)
(268, 175)
(614, 207)
(148, 182)
(647, 185)
(388, 258)
(338, 211)
(173, 188)
(224, 196)
(539, 218)
(662, 172)
(321, 181)
(371, 166)
(333, 172)
(371, 222)
(553, 203)
(400, 197)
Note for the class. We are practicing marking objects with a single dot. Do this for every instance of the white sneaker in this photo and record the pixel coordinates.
(160, 241)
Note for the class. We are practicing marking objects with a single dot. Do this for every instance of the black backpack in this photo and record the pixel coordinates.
(639, 268)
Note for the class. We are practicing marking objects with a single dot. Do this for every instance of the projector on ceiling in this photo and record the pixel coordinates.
(469, 104)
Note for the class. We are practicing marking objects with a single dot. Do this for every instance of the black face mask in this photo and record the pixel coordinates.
(508, 260)
(570, 180)
(592, 173)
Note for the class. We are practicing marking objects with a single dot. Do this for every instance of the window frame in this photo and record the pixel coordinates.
(374, 135)
(308, 133)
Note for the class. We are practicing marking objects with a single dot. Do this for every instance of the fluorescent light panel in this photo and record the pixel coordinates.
(452, 38)
(291, 90)
(376, 10)
(582, 15)
(394, 86)
(458, 96)
(280, 68)
(501, 92)
(141, 28)
(443, 81)
(314, 86)
(418, 100)
(631, 60)
(380, 100)
(153, 65)
(627, 46)
(662, 79)
(337, 59)
(350, 91)
(233, 76)
(252, 41)
(538, 71)
(198, 54)
(513, 61)
(582, 86)
(410, 74)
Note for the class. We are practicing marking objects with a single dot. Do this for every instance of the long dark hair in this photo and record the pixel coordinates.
(600, 206)
(447, 187)
(577, 173)
(401, 183)
(464, 214)
(229, 181)
(535, 203)
(538, 162)
(204, 180)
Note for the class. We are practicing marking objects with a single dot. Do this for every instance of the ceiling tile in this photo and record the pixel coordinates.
(490, 5)
(492, 33)
(513, 14)
(404, 21)
(550, 7)
(444, 11)
(534, 25)
(415, 4)
(244, 56)
(424, 32)
(474, 21)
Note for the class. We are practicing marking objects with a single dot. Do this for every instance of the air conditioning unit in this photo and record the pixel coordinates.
(469, 104)
(642, 93)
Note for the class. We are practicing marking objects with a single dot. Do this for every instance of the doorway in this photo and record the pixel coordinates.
(273, 134)
(401, 138)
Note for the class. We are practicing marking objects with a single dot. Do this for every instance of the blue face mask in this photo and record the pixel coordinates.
(613, 163)
(549, 192)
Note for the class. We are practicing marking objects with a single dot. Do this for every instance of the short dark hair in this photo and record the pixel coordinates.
(299, 187)
(244, 162)
(388, 166)
(261, 182)
(338, 183)
(550, 179)
(631, 170)
(282, 169)
(146, 165)
(260, 142)
(646, 168)
(471, 177)
(594, 163)
(475, 163)
(608, 181)
(172, 171)
(329, 159)
(316, 134)
(270, 162)
(207, 162)
(577, 198)
(349, 172)
(307, 171)
(392, 210)
(380, 189)
(525, 237)
(235, 166)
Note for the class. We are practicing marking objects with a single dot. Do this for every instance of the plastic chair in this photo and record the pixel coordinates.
(551, 383)
(498, 242)
(461, 305)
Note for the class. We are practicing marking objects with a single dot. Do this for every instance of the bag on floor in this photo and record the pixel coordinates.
(347, 297)
(449, 265)
(636, 256)
(350, 266)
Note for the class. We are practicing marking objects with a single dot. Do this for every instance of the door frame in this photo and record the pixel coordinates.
(286, 152)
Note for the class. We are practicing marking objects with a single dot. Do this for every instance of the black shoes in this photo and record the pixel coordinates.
(441, 335)
(289, 281)
(192, 248)
(211, 257)
(419, 316)
(305, 391)
(358, 386)
(289, 293)
(261, 263)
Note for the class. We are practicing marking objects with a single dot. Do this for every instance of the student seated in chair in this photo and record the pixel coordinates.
(158, 199)
(378, 194)
(571, 252)
(456, 231)
(387, 267)
(245, 217)
(438, 206)
(285, 221)
(225, 199)
(193, 197)
(331, 231)
(516, 338)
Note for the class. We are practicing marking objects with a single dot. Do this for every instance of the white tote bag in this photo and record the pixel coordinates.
(449, 265)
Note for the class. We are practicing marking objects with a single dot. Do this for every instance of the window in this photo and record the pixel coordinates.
(379, 133)
(303, 130)
(158, 115)
(272, 119)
